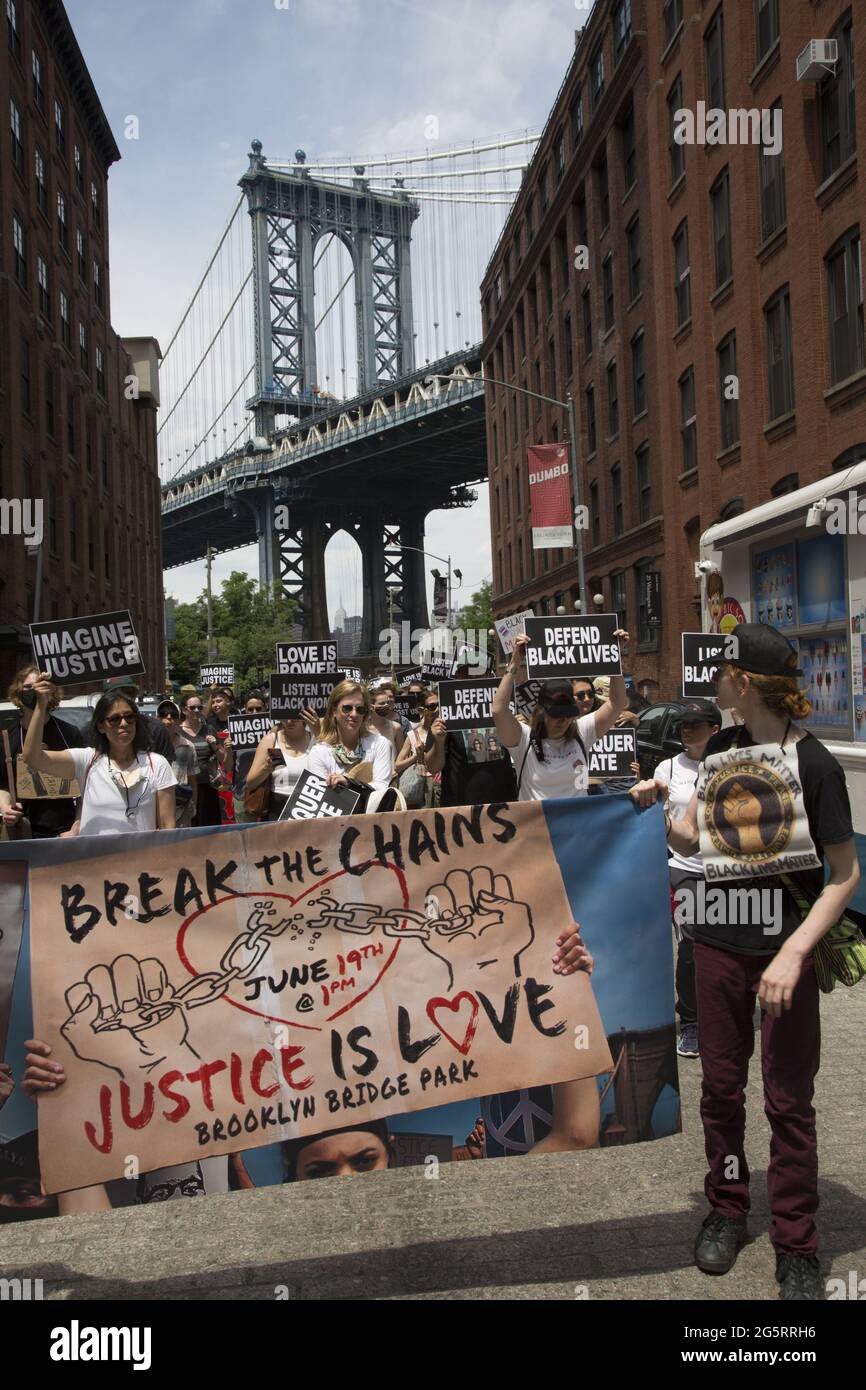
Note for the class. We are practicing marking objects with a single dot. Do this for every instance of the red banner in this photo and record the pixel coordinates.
(550, 496)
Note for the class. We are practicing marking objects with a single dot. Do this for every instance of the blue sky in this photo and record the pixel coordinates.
(355, 77)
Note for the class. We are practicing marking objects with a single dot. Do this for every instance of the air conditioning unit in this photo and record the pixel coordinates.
(819, 57)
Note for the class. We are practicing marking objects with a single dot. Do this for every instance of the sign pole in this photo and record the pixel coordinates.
(575, 486)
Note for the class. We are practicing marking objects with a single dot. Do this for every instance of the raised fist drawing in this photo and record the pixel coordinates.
(742, 810)
(125, 1017)
(473, 918)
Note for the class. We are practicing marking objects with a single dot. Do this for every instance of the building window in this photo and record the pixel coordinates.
(559, 155)
(70, 423)
(845, 307)
(644, 483)
(771, 169)
(59, 128)
(633, 239)
(44, 288)
(603, 193)
(73, 531)
(673, 14)
(714, 53)
(582, 218)
(594, 514)
(729, 390)
(791, 481)
(616, 499)
(688, 420)
(586, 309)
(38, 82)
(836, 93)
(591, 439)
(62, 224)
(607, 290)
(564, 260)
(551, 368)
(617, 596)
(100, 370)
(676, 150)
(638, 372)
(766, 26)
(576, 114)
(547, 278)
(83, 355)
(612, 401)
(97, 285)
(17, 136)
(41, 183)
(596, 69)
(12, 28)
(530, 230)
(26, 393)
(621, 28)
(106, 553)
(682, 273)
(568, 344)
(52, 517)
(780, 360)
(629, 151)
(19, 251)
(720, 198)
(65, 320)
(79, 170)
(647, 636)
(543, 182)
(95, 207)
(518, 242)
(49, 403)
(81, 249)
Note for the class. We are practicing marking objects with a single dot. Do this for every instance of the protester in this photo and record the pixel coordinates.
(243, 761)
(700, 720)
(736, 960)
(281, 757)
(383, 719)
(157, 736)
(417, 783)
(184, 764)
(216, 714)
(464, 782)
(347, 740)
(338, 1153)
(413, 693)
(209, 754)
(45, 817)
(389, 688)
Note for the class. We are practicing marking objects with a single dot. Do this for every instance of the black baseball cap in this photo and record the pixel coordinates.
(118, 683)
(557, 699)
(697, 709)
(764, 650)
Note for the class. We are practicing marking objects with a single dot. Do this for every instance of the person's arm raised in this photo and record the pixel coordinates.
(58, 764)
(617, 700)
(507, 726)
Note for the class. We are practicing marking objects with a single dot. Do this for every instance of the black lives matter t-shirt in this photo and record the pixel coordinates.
(828, 812)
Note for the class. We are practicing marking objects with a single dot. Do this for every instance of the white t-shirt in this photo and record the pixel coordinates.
(374, 749)
(564, 770)
(105, 803)
(285, 778)
(680, 775)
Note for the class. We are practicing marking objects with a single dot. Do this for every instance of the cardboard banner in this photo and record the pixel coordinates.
(313, 797)
(306, 658)
(291, 694)
(77, 650)
(613, 755)
(247, 730)
(42, 786)
(751, 814)
(550, 496)
(703, 652)
(465, 704)
(573, 646)
(509, 628)
(216, 675)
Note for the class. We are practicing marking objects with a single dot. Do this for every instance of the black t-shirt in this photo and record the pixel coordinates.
(468, 783)
(50, 817)
(828, 812)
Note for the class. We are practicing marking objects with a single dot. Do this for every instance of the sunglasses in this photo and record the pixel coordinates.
(431, 706)
(115, 719)
(583, 695)
(353, 709)
(172, 717)
(195, 709)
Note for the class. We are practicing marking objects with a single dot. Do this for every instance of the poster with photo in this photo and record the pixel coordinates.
(773, 586)
(827, 679)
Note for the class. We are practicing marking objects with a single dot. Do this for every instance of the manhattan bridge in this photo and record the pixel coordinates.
(326, 374)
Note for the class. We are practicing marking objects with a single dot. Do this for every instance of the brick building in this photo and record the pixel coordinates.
(69, 437)
(714, 346)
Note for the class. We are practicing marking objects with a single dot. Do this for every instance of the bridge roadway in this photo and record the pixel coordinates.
(374, 466)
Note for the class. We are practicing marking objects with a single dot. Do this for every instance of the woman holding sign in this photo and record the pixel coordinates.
(347, 740)
(765, 787)
(281, 757)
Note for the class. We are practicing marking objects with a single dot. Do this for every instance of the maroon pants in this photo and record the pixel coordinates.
(790, 1055)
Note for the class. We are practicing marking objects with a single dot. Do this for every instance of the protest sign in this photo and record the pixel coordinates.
(509, 628)
(465, 704)
(613, 755)
(573, 646)
(550, 496)
(751, 814)
(526, 698)
(291, 694)
(409, 675)
(216, 675)
(75, 650)
(306, 658)
(437, 668)
(313, 797)
(42, 786)
(354, 673)
(247, 730)
(703, 652)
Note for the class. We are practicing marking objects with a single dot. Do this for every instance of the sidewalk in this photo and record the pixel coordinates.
(615, 1224)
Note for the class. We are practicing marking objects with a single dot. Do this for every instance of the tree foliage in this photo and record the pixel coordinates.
(247, 624)
(478, 613)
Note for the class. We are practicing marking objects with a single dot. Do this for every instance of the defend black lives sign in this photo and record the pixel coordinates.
(306, 658)
(247, 730)
(216, 675)
(703, 652)
(466, 704)
(613, 755)
(313, 797)
(291, 694)
(87, 649)
(573, 647)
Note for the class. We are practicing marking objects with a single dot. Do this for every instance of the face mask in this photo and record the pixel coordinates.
(28, 699)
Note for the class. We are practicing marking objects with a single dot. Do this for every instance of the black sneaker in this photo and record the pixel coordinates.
(800, 1278)
(719, 1243)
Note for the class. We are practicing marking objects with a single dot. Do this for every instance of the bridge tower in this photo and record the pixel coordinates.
(290, 212)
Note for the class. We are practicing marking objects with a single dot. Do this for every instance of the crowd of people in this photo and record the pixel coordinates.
(133, 772)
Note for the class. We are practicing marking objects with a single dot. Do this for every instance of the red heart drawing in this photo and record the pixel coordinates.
(454, 1006)
(183, 946)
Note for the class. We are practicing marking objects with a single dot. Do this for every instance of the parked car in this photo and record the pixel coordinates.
(77, 712)
(657, 734)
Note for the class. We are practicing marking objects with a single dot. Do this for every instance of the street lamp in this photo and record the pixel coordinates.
(436, 575)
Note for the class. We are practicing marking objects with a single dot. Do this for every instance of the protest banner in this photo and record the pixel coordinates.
(703, 652)
(247, 730)
(465, 704)
(76, 650)
(550, 496)
(354, 997)
(306, 658)
(573, 646)
(313, 797)
(613, 755)
(509, 628)
(291, 694)
(216, 675)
